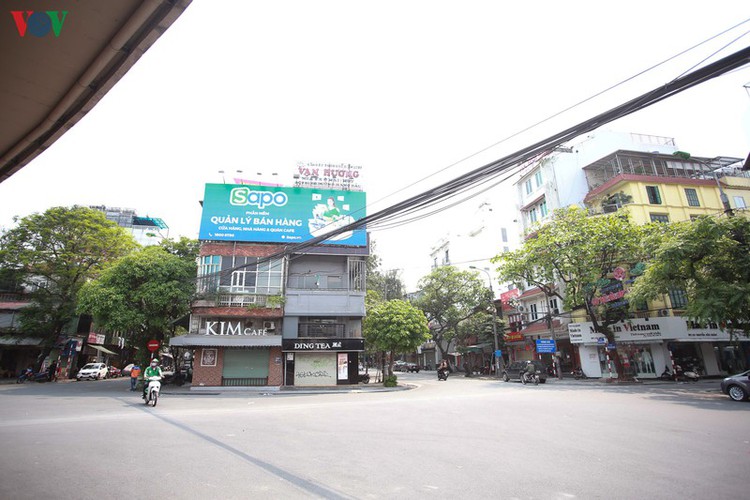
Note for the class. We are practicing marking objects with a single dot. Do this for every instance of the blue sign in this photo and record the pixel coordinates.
(269, 214)
(545, 346)
(611, 347)
(601, 341)
(498, 353)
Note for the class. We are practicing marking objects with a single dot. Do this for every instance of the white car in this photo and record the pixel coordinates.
(94, 371)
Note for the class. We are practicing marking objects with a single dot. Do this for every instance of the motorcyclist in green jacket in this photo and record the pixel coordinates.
(153, 370)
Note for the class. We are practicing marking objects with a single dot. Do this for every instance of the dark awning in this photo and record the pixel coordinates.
(225, 341)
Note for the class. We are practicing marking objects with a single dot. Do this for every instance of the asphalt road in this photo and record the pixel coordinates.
(465, 438)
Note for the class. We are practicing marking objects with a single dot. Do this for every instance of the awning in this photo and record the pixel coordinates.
(103, 349)
(10, 340)
(225, 341)
(477, 348)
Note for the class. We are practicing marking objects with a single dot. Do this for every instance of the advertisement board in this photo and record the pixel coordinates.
(269, 214)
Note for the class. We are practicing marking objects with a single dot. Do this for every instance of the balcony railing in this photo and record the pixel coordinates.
(318, 330)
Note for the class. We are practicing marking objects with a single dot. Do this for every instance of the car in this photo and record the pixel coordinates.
(516, 368)
(737, 387)
(412, 367)
(93, 371)
(399, 366)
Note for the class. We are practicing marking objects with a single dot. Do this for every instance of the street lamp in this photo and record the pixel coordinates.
(494, 320)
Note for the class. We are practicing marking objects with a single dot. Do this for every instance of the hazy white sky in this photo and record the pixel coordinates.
(403, 88)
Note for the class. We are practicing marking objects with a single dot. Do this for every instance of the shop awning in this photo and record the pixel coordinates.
(103, 349)
(225, 341)
(9, 340)
(477, 348)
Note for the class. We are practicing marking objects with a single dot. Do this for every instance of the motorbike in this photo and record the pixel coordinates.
(691, 374)
(364, 378)
(25, 375)
(442, 374)
(152, 391)
(530, 378)
(578, 373)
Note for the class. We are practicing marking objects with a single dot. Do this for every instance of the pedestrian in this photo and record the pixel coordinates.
(134, 373)
(52, 372)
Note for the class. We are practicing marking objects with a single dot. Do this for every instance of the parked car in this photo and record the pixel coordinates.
(93, 371)
(399, 366)
(737, 387)
(516, 368)
(412, 367)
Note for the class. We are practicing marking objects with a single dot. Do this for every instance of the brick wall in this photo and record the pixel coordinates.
(275, 372)
(209, 376)
(240, 250)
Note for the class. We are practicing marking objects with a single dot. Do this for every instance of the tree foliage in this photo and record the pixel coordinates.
(448, 298)
(580, 252)
(708, 258)
(54, 254)
(395, 326)
(143, 294)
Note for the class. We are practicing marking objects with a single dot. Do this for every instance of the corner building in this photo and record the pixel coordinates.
(265, 316)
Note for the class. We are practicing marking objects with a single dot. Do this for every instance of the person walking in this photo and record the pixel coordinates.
(134, 373)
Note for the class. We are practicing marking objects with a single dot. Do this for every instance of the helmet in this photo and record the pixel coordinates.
(155, 361)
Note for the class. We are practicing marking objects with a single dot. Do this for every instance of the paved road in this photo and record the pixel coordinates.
(463, 438)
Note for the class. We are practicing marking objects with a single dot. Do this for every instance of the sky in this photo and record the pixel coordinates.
(416, 92)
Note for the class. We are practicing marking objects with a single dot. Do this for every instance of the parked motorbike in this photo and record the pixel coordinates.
(527, 377)
(152, 391)
(578, 373)
(691, 374)
(364, 378)
(27, 374)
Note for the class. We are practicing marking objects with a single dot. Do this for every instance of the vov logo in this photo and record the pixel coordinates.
(39, 24)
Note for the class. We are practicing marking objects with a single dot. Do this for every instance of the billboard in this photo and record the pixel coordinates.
(268, 214)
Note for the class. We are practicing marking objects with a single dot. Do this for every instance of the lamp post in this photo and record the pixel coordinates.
(494, 320)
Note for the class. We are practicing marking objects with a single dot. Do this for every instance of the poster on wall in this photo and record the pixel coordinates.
(208, 357)
(271, 214)
(343, 364)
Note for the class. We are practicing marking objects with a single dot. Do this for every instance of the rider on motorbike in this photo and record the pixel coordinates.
(154, 370)
(529, 371)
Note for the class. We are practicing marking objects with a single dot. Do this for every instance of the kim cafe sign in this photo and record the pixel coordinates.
(233, 328)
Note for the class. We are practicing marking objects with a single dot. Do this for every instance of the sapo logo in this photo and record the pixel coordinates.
(39, 24)
(242, 196)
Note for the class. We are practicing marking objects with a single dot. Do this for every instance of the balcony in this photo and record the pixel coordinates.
(229, 296)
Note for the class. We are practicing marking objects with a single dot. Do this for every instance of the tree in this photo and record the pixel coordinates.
(708, 258)
(185, 248)
(55, 253)
(581, 252)
(448, 298)
(143, 294)
(395, 326)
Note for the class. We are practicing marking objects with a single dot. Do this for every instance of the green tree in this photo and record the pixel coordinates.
(55, 253)
(143, 294)
(709, 259)
(185, 248)
(395, 326)
(580, 252)
(448, 298)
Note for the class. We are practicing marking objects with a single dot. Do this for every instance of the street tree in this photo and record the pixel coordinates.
(142, 295)
(395, 326)
(708, 258)
(572, 257)
(449, 297)
(53, 254)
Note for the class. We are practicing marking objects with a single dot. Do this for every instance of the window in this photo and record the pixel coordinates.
(659, 218)
(678, 298)
(506, 249)
(692, 197)
(653, 195)
(739, 202)
(208, 273)
(532, 215)
(528, 186)
(447, 258)
(504, 234)
(538, 178)
(543, 209)
(553, 306)
(533, 311)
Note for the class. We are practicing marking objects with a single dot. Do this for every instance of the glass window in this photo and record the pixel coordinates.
(543, 209)
(653, 195)
(528, 186)
(538, 178)
(504, 234)
(678, 298)
(739, 202)
(532, 215)
(208, 273)
(534, 313)
(659, 217)
(692, 197)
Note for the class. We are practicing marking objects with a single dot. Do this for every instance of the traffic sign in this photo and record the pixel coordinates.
(545, 346)
(152, 345)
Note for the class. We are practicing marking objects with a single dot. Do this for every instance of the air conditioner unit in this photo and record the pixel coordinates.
(269, 325)
(520, 308)
(663, 312)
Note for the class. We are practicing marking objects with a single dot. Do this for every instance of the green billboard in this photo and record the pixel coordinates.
(268, 214)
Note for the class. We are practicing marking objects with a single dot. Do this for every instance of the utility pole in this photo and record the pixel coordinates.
(494, 320)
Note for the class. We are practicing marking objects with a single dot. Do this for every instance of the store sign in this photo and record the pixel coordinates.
(514, 337)
(343, 176)
(232, 328)
(640, 329)
(271, 214)
(545, 346)
(323, 345)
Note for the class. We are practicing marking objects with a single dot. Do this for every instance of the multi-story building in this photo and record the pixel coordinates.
(651, 179)
(146, 230)
(266, 315)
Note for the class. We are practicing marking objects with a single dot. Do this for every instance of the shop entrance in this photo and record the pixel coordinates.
(245, 367)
